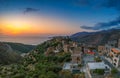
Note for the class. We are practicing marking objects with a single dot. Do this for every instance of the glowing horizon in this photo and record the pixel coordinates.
(20, 25)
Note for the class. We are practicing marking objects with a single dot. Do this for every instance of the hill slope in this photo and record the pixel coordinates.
(19, 47)
(96, 38)
(7, 55)
(37, 64)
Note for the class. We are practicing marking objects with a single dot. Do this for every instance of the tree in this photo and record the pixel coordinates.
(20, 75)
(80, 75)
(97, 59)
(51, 74)
(65, 74)
(114, 71)
(99, 71)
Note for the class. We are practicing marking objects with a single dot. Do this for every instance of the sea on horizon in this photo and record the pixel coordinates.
(25, 40)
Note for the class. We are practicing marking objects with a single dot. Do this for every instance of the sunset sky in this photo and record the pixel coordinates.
(57, 17)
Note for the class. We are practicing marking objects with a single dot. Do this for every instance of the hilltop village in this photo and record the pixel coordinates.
(61, 57)
(91, 61)
(102, 61)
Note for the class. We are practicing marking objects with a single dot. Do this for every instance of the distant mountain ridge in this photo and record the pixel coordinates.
(80, 34)
(96, 38)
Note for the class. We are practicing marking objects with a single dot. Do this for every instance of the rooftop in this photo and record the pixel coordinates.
(116, 50)
(67, 66)
(97, 65)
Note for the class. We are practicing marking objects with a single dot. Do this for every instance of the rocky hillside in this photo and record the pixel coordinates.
(36, 64)
(96, 38)
(7, 55)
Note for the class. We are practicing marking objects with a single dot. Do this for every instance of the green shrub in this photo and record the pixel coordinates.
(99, 71)
(114, 71)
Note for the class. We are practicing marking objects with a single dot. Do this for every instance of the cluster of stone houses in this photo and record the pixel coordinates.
(68, 47)
(111, 51)
(78, 52)
(76, 55)
(95, 69)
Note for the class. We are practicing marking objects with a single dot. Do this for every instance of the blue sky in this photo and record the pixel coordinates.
(85, 15)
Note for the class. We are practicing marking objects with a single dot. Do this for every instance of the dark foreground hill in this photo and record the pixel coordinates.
(19, 47)
(7, 55)
(96, 38)
(10, 52)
